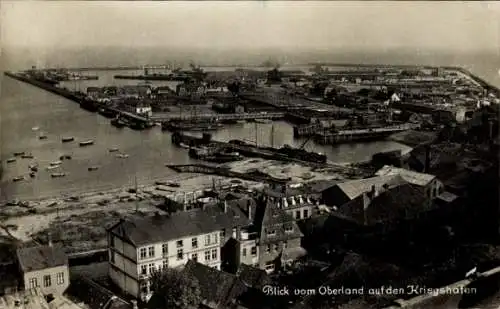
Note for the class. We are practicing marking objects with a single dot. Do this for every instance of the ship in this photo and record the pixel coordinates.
(190, 126)
(86, 143)
(89, 105)
(118, 123)
(106, 112)
(301, 154)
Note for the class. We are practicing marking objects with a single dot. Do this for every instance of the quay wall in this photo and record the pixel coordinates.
(349, 136)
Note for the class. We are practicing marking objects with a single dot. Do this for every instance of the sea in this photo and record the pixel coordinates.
(27, 111)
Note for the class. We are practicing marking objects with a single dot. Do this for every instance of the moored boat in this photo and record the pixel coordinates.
(65, 157)
(11, 160)
(114, 149)
(18, 178)
(93, 168)
(42, 136)
(27, 156)
(87, 143)
(55, 163)
(19, 153)
(32, 174)
(53, 167)
(67, 139)
(34, 168)
(35, 128)
(56, 175)
(122, 155)
(118, 123)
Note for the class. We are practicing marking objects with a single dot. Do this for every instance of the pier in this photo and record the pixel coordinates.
(219, 117)
(347, 136)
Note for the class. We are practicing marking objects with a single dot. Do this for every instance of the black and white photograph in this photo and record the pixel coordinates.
(249, 154)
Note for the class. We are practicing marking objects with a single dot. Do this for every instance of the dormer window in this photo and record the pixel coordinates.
(289, 229)
(271, 232)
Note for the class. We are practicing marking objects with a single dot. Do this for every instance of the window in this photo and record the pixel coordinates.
(165, 264)
(214, 237)
(194, 242)
(180, 254)
(194, 257)
(144, 287)
(214, 254)
(244, 252)
(151, 251)
(285, 244)
(207, 255)
(144, 269)
(152, 268)
(46, 281)
(179, 243)
(306, 213)
(288, 228)
(253, 251)
(207, 240)
(297, 214)
(60, 278)
(164, 249)
(223, 234)
(33, 283)
(143, 253)
(268, 249)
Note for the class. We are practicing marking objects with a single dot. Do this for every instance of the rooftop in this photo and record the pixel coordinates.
(252, 277)
(41, 257)
(355, 188)
(30, 299)
(161, 228)
(419, 179)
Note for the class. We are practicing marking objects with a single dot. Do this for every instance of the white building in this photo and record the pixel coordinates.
(140, 247)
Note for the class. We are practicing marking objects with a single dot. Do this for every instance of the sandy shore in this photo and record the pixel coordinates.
(86, 215)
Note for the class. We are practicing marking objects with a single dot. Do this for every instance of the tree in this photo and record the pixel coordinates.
(174, 289)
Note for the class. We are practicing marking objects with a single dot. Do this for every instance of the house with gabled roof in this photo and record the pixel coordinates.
(141, 246)
(44, 267)
(344, 192)
(279, 237)
(429, 184)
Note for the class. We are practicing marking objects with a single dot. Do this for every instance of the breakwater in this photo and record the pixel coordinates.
(48, 87)
(151, 77)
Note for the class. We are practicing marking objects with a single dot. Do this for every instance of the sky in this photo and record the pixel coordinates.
(449, 26)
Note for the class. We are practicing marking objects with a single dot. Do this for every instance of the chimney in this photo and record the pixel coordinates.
(134, 304)
(427, 158)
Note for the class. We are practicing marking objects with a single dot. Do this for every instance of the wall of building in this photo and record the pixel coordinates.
(301, 212)
(56, 287)
(268, 253)
(245, 252)
(124, 282)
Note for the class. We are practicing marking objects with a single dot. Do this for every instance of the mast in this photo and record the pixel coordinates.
(256, 140)
(272, 135)
(136, 199)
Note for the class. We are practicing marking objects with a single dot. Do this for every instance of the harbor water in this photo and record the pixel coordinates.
(27, 112)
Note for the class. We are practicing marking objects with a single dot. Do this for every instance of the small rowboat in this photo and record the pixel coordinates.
(87, 143)
(67, 139)
(56, 175)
